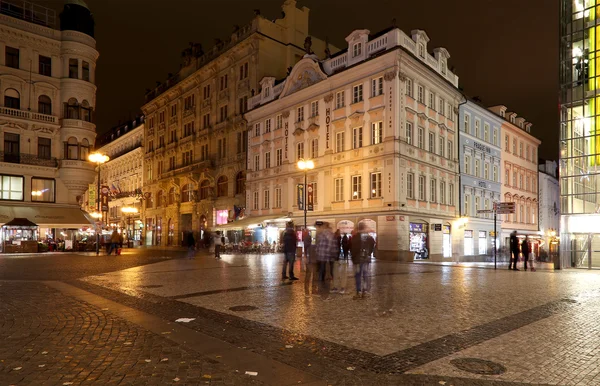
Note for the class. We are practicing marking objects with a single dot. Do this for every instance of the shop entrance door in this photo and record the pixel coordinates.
(595, 250)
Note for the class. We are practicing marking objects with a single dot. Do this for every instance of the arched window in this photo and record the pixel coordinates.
(149, 202)
(171, 232)
(86, 111)
(85, 150)
(204, 189)
(44, 105)
(187, 193)
(222, 185)
(72, 109)
(159, 199)
(12, 98)
(240, 183)
(171, 196)
(72, 149)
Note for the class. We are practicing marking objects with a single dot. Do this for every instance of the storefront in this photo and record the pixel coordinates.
(446, 240)
(419, 238)
(19, 236)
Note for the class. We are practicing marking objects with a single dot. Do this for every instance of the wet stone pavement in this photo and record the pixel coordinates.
(420, 324)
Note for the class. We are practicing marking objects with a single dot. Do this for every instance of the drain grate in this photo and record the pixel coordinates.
(151, 286)
(243, 308)
(478, 366)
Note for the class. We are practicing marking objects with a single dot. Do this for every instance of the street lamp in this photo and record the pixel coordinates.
(129, 211)
(305, 166)
(98, 159)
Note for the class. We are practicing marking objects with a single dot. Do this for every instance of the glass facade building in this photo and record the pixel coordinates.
(579, 133)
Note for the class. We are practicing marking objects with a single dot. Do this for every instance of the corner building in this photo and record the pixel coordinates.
(196, 137)
(579, 133)
(378, 120)
(47, 99)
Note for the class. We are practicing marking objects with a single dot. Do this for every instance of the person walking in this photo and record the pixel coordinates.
(525, 250)
(312, 266)
(327, 247)
(514, 251)
(218, 243)
(345, 246)
(191, 244)
(361, 250)
(289, 251)
(114, 242)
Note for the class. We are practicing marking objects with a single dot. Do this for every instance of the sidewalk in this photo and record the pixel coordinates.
(488, 265)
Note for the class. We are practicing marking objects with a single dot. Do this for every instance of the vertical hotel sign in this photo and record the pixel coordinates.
(92, 202)
(300, 194)
(104, 198)
(309, 197)
(327, 129)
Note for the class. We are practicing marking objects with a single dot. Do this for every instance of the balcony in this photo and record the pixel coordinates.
(27, 159)
(189, 111)
(24, 114)
(78, 123)
(173, 120)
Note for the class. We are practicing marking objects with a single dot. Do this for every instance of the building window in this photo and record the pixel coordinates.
(376, 132)
(173, 110)
(223, 82)
(190, 101)
(338, 184)
(357, 93)
(339, 99)
(442, 107)
(442, 146)
(467, 164)
(356, 50)
(478, 128)
(421, 50)
(421, 138)
(277, 198)
(442, 192)
(409, 87)
(206, 121)
(171, 196)
(527, 184)
(278, 122)
(12, 57)
(299, 151)
(356, 187)
(357, 137)
(432, 190)
(477, 169)
(84, 150)
(268, 126)
(376, 86)
(72, 148)
(432, 142)
(204, 190)
(339, 142)
(495, 173)
(514, 146)
(300, 114)
(520, 181)
(521, 214)
(422, 188)
(73, 69)
(42, 189)
(206, 92)
(450, 150)
(244, 71)
(278, 157)
(409, 133)
(506, 143)
(410, 185)
(222, 148)
(514, 179)
(11, 188)
(314, 148)
(431, 104)
(243, 104)
(85, 71)
(467, 124)
(12, 99)
(527, 153)
(44, 105)
(467, 205)
(187, 157)
(255, 201)
(486, 132)
(222, 186)
(266, 199)
(45, 66)
(450, 194)
(314, 108)
(240, 183)
(223, 113)
(495, 137)
(421, 94)
(257, 162)
(257, 129)
(187, 193)
(44, 148)
(267, 160)
(486, 170)
(521, 149)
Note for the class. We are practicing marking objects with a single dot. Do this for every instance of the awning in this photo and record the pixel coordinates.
(20, 222)
(251, 221)
(50, 216)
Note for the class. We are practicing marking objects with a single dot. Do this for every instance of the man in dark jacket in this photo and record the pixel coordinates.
(525, 249)
(346, 245)
(289, 251)
(362, 246)
(514, 251)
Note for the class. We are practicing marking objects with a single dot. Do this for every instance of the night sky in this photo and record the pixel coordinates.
(504, 51)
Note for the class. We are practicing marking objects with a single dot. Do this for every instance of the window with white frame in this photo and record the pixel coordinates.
(521, 149)
(409, 133)
(257, 129)
(520, 181)
(514, 146)
(299, 151)
(257, 162)
(442, 192)
(266, 199)
(422, 188)
(314, 148)
(356, 50)
(421, 94)
(376, 132)
(478, 128)
(432, 190)
(514, 179)
(421, 138)
(495, 137)
(431, 101)
(277, 198)
(278, 122)
(442, 146)
(268, 126)
(450, 194)
(409, 87)
(506, 143)
(442, 107)
(410, 185)
(486, 132)
(300, 114)
(376, 86)
(314, 108)
(338, 185)
(12, 187)
(467, 124)
(278, 157)
(339, 142)
(527, 153)
(356, 187)
(526, 183)
(267, 160)
(477, 165)
(432, 142)
(376, 191)
(467, 205)
(486, 170)
(450, 150)
(467, 164)
(255, 201)
(422, 50)
(339, 99)
(357, 93)
(357, 137)
(495, 173)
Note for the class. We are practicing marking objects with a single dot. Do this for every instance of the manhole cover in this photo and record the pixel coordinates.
(243, 308)
(151, 286)
(479, 366)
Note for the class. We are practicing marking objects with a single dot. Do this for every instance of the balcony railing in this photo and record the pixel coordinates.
(28, 159)
(24, 114)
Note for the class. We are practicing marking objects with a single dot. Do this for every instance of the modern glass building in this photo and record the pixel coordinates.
(579, 133)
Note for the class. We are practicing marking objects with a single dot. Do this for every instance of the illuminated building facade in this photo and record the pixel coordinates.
(379, 122)
(579, 136)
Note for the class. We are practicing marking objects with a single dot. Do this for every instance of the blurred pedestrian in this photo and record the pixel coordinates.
(289, 251)
(312, 266)
(361, 250)
(514, 251)
(526, 250)
(345, 246)
(114, 242)
(191, 244)
(327, 248)
(218, 243)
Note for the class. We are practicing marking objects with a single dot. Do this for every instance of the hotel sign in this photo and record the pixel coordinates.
(310, 197)
(327, 130)
(286, 139)
(482, 147)
(300, 194)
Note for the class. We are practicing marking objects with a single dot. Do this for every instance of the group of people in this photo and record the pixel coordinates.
(218, 240)
(525, 249)
(326, 260)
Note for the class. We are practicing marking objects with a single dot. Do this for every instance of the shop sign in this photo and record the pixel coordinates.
(104, 191)
(468, 234)
(300, 194)
(482, 147)
(390, 218)
(327, 130)
(286, 140)
(437, 227)
(417, 227)
(309, 197)
(446, 229)
(92, 196)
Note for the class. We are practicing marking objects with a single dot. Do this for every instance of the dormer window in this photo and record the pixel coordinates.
(502, 114)
(512, 119)
(422, 50)
(267, 92)
(356, 50)
(521, 125)
(443, 68)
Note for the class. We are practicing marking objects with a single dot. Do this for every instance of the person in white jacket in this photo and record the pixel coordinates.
(218, 244)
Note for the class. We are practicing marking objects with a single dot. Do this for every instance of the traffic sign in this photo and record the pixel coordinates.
(485, 211)
(504, 205)
(505, 211)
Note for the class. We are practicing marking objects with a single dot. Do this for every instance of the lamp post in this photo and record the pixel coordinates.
(305, 166)
(98, 159)
(129, 211)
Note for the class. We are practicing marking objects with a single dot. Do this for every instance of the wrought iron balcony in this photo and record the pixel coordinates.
(28, 159)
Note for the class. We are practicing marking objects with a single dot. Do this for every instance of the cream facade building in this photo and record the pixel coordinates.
(520, 177)
(195, 133)
(47, 97)
(379, 122)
